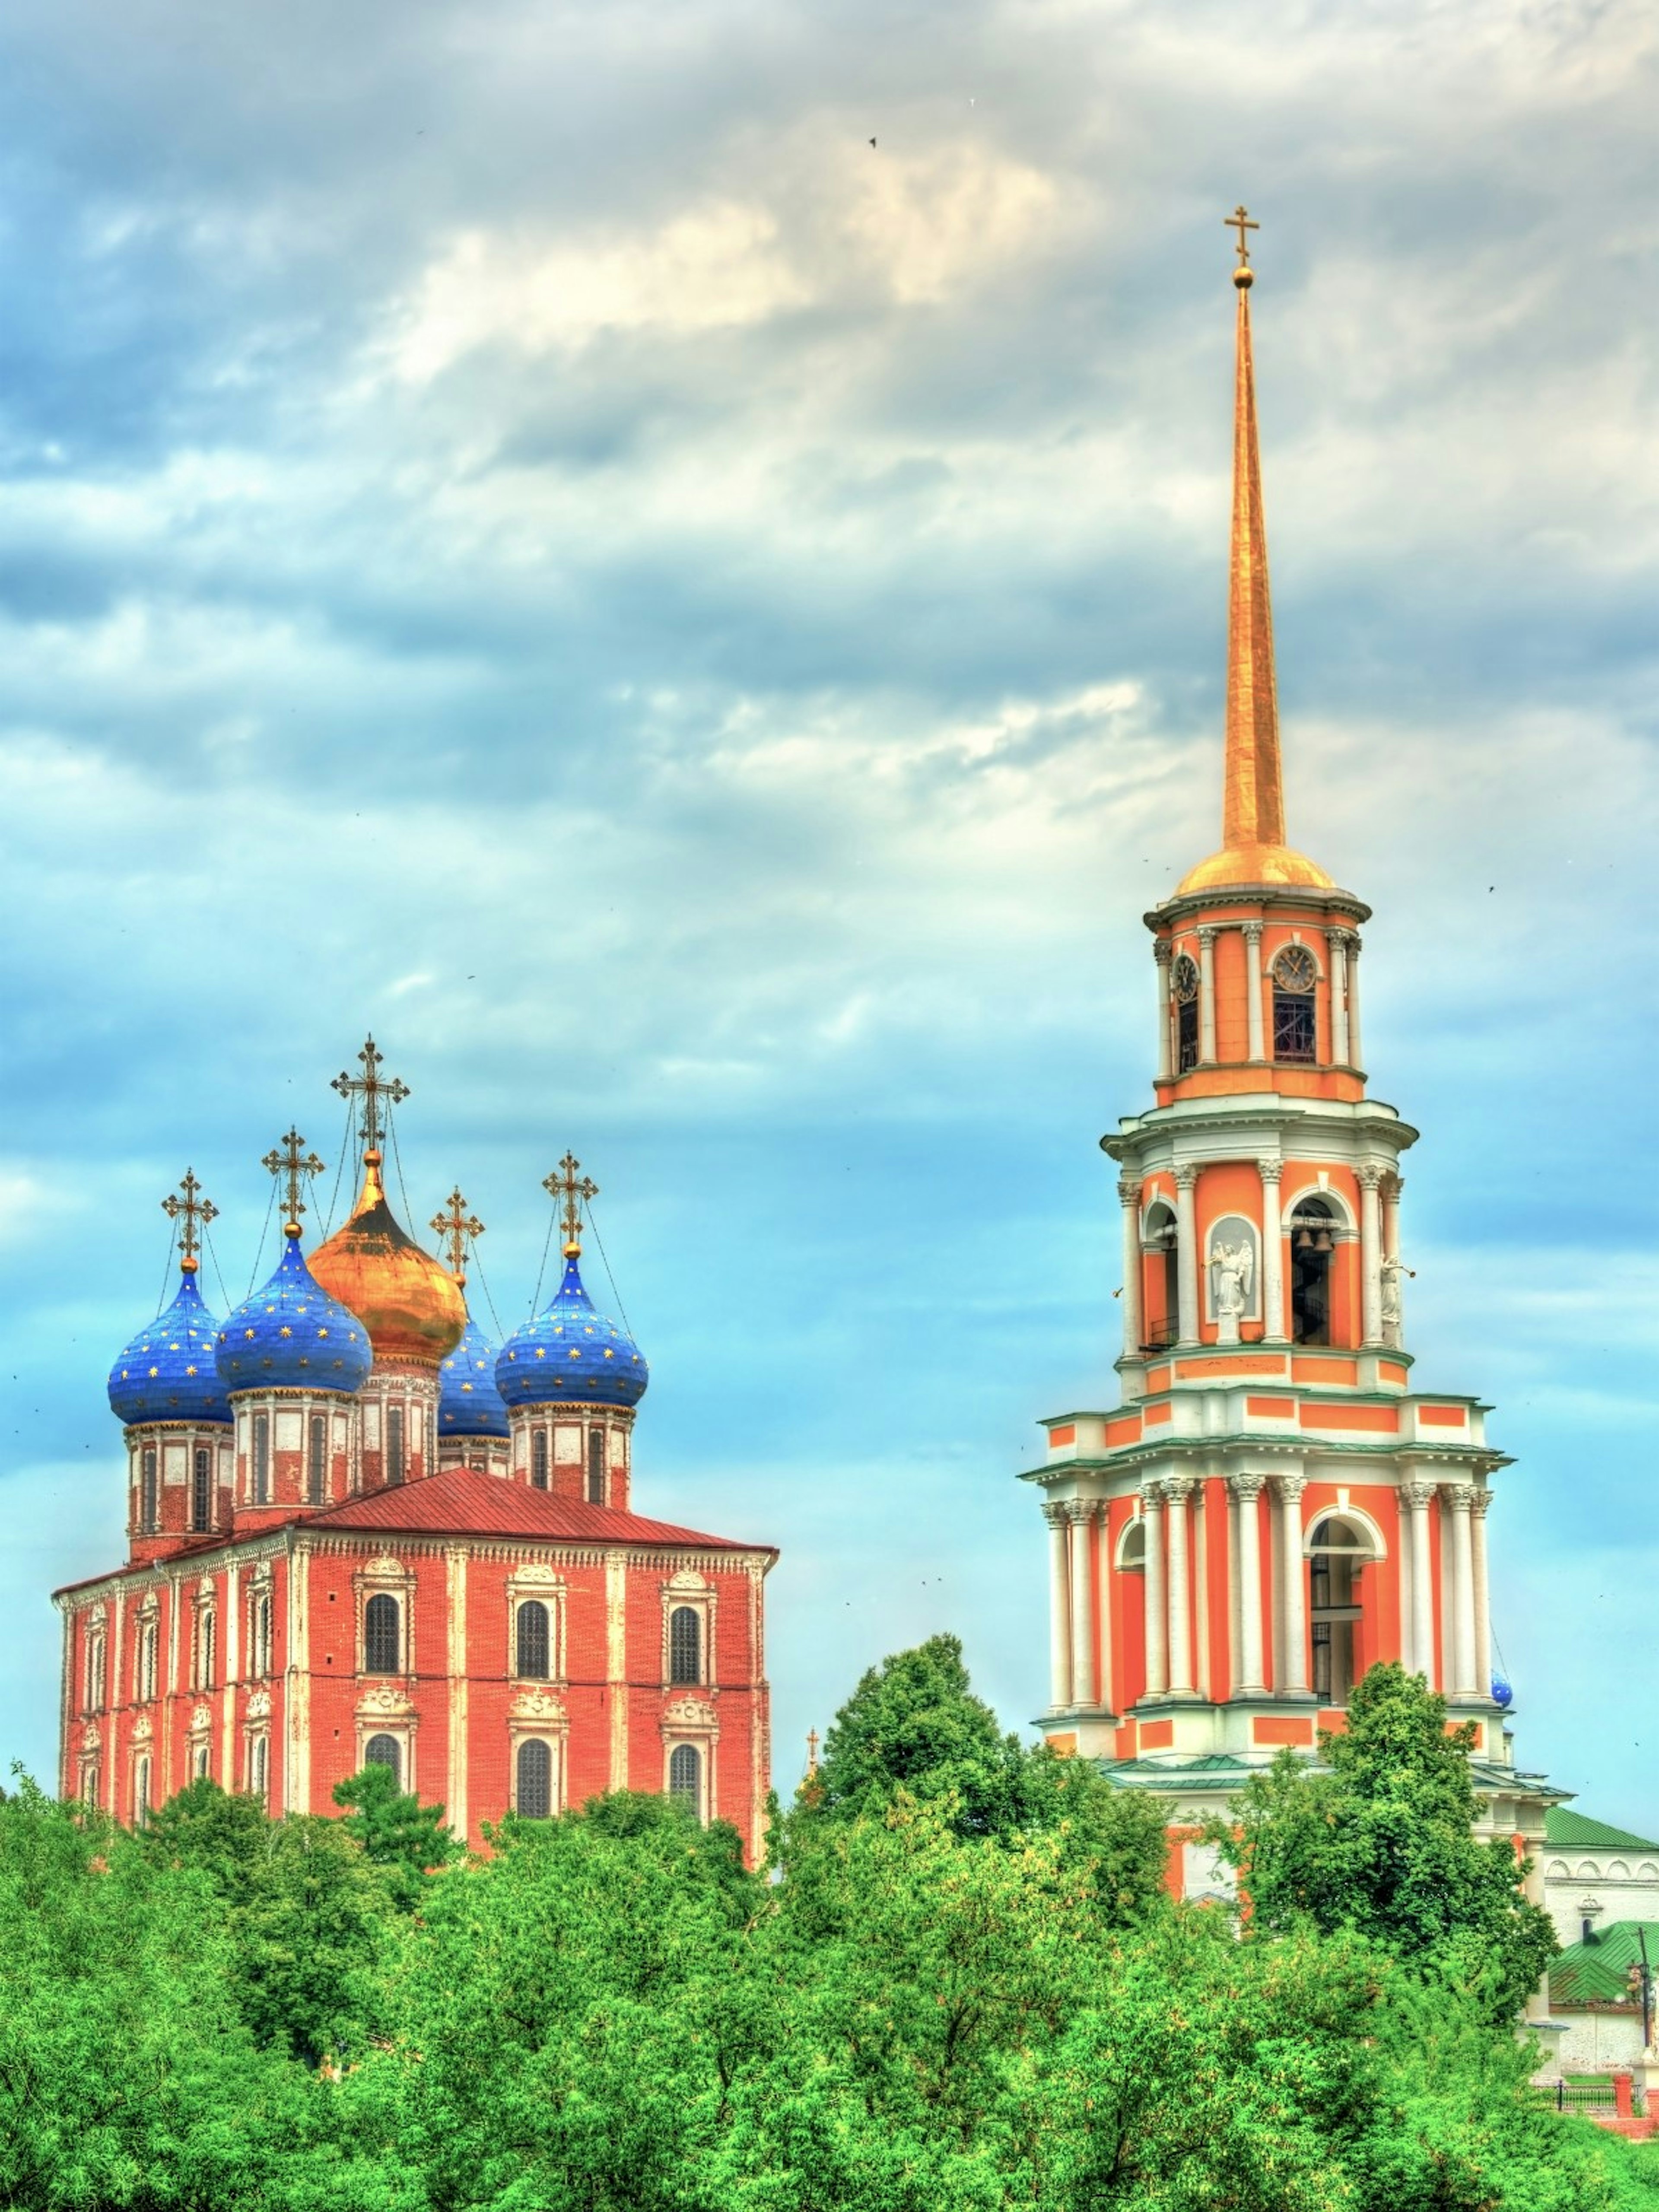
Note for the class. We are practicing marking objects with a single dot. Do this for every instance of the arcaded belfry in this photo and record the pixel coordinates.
(1273, 1507)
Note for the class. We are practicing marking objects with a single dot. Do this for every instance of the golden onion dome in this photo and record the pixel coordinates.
(409, 1303)
(1252, 864)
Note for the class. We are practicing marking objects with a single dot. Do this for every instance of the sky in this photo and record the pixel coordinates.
(523, 529)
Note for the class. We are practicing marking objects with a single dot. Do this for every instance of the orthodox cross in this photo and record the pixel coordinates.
(1240, 222)
(812, 1751)
(564, 1182)
(455, 1227)
(289, 1161)
(371, 1086)
(194, 1210)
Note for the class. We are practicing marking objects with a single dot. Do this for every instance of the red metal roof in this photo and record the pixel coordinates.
(463, 1501)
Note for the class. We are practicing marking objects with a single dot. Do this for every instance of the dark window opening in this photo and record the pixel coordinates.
(685, 1645)
(534, 1797)
(534, 1642)
(385, 1751)
(382, 1642)
(147, 1497)
(317, 1461)
(596, 1467)
(262, 1459)
(1159, 1333)
(686, 1775)
(1336, 1556)
(201, 1490)
(395, 1464)
(1185, 983)
(538, 1459)
(1312, 1244)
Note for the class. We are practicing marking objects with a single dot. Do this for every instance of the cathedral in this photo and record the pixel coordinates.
(360, 1534)
(1272, 1507)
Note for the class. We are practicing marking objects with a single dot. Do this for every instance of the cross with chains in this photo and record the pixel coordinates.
(565, 1182)
(289, 1160)
(372, 1087)
(185, 1204)
(456, 1227)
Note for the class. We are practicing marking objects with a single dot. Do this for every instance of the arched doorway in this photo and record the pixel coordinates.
(1339, 1549)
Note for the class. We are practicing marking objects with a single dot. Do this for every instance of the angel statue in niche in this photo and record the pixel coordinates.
(1231, 1266)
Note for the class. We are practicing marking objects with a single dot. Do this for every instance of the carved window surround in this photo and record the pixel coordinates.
(690, 1588)
(535, 1580)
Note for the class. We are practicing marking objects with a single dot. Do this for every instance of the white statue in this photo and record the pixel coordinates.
(1393, 1271)
(1232, 1268)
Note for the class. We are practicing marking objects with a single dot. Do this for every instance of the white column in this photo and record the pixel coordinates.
(1391, 1304)
(1336, 943)
(1129, 1192)
(1177, 1490)
(1080, 1513)
(1253, 988)
(1370, 1254)
(1187, 1254)
(1163, 953)
(1293, 1598)
(1355, 1054)
(1207, 995)
(1158, 1598)
(1059, 1630)
(1272, 1253)
(1420, 1640)
(1252, 1681)
(1478, 1501)
(1458, 1496)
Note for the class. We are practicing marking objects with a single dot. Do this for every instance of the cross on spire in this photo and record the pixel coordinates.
(289, 1160)
(1239, 220)
(372, 1087)
(456, 1227)
(564, 1182)
(195, 1212)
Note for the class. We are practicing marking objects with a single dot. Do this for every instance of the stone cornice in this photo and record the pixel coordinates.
(1338, 905)
(1264, 1110)
(1308, 1445)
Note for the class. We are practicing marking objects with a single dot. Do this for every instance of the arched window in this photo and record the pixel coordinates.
(1183, 981)
(533, 1641)
(1296, 974)
(1337, 1550)
(382, 1642)
(1132, 1553)
(686, 1775)
(385, 1751)
(96, 1670)
(596, 1467)
(147, 1644)
(205, 1639)
(317, 1461)
(396, 1463)
(538, 1459)
(259, 1640)
(200, 1489)
(262, 1459)
(141, 1793)
(147, 1498)
(1160, 1329)
(533, 1794)
(202, 1766)
(685, 1644)
(1313, 1240)
(259, 1766)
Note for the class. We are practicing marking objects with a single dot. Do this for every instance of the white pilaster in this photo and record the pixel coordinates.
(1163, 953)
(1129, 1192)
(1293, 1593)
(1080, 1513)
(1420, 1639)
(1177, 1489)
(1336, 943)
(1272, 1253)
(1207, 995)
(1158, 1596)
(1187, 1252)
(1355, 1053)
(1252, 1679)
(1478, 1501)
(1457, 1497)
(1370, 1254)
(1256, 1047)
(455, 1805)
(1059, 1630)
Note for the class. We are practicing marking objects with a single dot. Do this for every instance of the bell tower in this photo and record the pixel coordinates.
(1272, 1507)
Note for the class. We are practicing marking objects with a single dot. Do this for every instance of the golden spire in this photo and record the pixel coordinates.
(456, 1227)
(1252, 810)
(1253, 847)
(565, 1184)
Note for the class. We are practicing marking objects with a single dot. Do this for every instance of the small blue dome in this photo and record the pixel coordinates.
(1502, 1696)
(293, 1336)
(570, 1351)
(469, 1404)
(168, 1371)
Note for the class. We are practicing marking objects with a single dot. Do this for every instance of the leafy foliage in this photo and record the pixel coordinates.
(408, 1839)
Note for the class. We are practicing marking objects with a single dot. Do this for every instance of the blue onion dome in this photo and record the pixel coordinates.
(572, 1350)
(469, 1404)
(167, 1373)
(1502, 1696)
(292, 1335)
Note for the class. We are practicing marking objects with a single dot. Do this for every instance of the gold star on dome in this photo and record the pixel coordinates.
(285, 1330)
(190, 1371)
(154, 1371)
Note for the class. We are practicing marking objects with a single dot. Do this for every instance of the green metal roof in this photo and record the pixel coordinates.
(1561, 1826)
(1598, 1972)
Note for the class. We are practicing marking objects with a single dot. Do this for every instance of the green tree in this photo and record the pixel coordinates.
(1379, 1840)
(411, 1841)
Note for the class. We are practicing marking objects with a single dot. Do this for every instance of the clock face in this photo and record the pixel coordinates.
(1186, 979)
(1295, 968)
